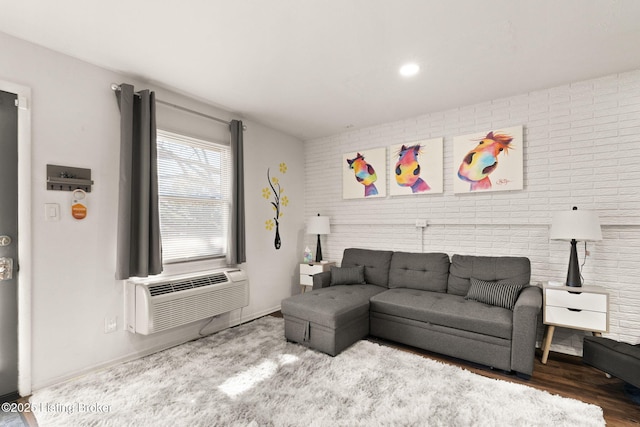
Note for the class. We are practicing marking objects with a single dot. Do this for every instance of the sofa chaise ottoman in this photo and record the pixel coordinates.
(331, 319)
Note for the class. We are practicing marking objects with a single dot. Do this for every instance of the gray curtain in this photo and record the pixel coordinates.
(139, 245)
(237, 246)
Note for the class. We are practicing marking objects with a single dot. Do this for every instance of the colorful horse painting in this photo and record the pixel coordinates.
(480, 162)
(408, 169)
(365, 174)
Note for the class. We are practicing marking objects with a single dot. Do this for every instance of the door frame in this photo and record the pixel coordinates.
(24, 234)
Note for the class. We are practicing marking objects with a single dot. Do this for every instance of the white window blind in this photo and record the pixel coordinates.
(194, 197)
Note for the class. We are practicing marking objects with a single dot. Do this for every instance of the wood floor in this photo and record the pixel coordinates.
(563, 375)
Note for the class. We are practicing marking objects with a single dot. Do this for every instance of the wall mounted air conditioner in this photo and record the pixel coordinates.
(159, 304)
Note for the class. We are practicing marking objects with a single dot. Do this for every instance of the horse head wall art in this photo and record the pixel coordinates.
(417, 167)
(364, 174)
(492, 153)
(408, 169)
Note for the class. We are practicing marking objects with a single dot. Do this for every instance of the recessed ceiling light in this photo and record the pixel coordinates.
(409, 69)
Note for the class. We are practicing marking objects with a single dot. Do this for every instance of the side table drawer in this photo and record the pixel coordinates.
(306, 279)
(584, 319)
(311, 269)
(582, 300)
(307, 271)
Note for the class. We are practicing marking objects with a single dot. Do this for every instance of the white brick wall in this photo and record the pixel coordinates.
(581, 148)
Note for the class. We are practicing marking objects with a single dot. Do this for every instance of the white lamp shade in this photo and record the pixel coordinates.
(318, 225)
(575, 224)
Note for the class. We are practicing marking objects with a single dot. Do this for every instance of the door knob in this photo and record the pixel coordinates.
(6, 268)
(5, 240)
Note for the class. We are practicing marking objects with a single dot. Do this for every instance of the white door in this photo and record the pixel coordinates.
(8, 246)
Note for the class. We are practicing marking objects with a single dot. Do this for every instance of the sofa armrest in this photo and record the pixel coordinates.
(525, 326)
(321, 280)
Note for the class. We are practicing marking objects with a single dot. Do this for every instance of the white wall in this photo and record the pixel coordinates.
(581, 148)
(275, 271)
(75, 122)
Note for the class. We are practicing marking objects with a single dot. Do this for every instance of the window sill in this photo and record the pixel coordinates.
(193, 266)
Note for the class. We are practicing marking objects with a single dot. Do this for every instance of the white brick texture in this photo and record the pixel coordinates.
(581, 148)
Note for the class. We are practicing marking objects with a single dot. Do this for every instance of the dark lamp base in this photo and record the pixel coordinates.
(318, 250)
(573, 275)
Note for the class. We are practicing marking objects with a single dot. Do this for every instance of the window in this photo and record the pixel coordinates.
(194, 197)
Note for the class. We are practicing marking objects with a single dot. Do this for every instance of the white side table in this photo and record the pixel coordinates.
(308, 270)
(585, 308)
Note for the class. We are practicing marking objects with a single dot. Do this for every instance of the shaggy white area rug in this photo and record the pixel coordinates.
(250, 376)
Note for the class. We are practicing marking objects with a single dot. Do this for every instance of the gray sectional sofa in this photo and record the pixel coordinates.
(480, 309)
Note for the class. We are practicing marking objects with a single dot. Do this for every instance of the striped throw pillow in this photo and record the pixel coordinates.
(500, 294)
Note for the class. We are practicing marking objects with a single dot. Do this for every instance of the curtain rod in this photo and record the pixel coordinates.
(116, 87)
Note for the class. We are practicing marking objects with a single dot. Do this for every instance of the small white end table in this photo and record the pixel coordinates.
(308, 270)
(584, 308)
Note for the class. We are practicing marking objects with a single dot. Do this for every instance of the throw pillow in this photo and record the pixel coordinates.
(500, 294)
(347, 275)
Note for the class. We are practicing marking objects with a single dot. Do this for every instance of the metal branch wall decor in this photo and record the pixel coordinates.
(277, 204)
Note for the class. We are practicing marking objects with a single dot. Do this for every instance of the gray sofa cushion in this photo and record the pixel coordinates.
(445, 310)
(332, 307)
(516, 270)
(428, 271)
(347, 275)
(376, 264)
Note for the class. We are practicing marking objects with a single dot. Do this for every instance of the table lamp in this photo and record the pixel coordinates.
(572, 226)
(318, 225)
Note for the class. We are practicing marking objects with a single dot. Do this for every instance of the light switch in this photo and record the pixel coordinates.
(51, 212)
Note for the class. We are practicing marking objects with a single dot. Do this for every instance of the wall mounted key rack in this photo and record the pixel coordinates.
(67, 178)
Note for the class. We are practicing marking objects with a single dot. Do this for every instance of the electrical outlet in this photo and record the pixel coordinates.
(421, 223)
(110, 324)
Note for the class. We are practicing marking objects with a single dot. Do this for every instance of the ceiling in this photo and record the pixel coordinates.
(313, 68)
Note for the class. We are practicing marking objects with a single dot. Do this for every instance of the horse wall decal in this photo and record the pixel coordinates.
(408, 169)
(365, 174)
(480, 162)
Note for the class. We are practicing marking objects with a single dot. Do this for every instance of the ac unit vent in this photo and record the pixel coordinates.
(217, 278)
(165, 288)
(204, 281)
(183, 285)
